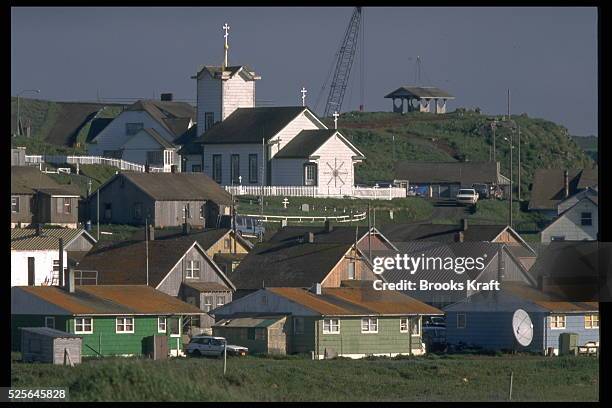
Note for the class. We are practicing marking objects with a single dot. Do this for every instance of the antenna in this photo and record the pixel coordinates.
(522, 327)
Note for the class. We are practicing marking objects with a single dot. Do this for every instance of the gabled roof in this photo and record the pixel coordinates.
(187, 141)
(547, 301)
(592, 199)
(108, 300)
(420, 92)
(166, 114)
(363, 301)
(218, 72)
(338, 234)
(291, 264)
(548, 186)
(97, 125)
(177, 186)
(466, 173)
(28, 179)
(26, 238)
(59, 191)
(305, 143)
(205, 237)
(251, 125)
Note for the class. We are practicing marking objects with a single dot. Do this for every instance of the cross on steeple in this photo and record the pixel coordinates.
(226, 28)
(335, 115)
(303, 91)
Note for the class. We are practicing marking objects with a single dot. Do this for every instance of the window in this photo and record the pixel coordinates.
(256, 333)
(216, 163)
(461, 320)
(50, 322)
(404, 325)
(64, 205)
(264, 300)
(196, 168)
(124, 325)
(253, 168)
(186, 211)
(174, 324)
(161, 324)
(369, 325)
(133, 128)
(209, 120)
(220, 300)
(298, 325)
(351, 270)
(31, 270)
(138, 211)
(310, 174)
(331, 326)
(591, 321)
(193, 269)
(202, 209)
(208, 302)
(15, 204)
(586, 218)
(83, 325)
(557, 322)
(235, 169)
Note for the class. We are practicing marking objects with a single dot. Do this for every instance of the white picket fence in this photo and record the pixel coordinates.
(308, 218)
(118, 163)
(380, 193)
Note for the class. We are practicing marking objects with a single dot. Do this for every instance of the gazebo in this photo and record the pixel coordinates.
(419, 98)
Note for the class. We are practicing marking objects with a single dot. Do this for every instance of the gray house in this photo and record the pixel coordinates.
(167, 199)
(177, 267)
(485, 319)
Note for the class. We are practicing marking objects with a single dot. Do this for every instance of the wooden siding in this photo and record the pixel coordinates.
(237, 93)
(220, 247)
(574, 323)
(301, 122)
(208, 100)
(340, 271)
(226, 151)
(288, 172)
(25, 214)
(171, 213)
(46, 210)
(569, 225)
(335, 154)
(276, 340)
(122, 195)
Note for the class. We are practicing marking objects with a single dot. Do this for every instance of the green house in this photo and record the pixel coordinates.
(112, 319)
(350, 322)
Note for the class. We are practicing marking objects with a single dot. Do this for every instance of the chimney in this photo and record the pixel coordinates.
(464, 224)
(566, 183)
(309, 237)
(151, 233)
(70, 280)
(186, 228)
(328, 226)
(61, 262)
(316, 288)
(459, 236)
(167, 97)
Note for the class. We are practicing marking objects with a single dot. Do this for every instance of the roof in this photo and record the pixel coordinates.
(166, 113)
(305, 143)
(548, 186)
(178, 186)
(49, 332)
(466, 173)
(562, 259)
(207, 286)
(205, 237)
(441, 232)
(547, 301)
(217, 71)
(111, 300)
(338, 234)
(188, 142)
(157, 137)
(291, 264)
(26, 238)
(28, 179)
(60, 191)
(352, 301)
(251, 125)
(420, 92)
(263, 321)
(96, 126)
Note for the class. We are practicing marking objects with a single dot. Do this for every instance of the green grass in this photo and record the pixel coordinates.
(432, 378)
(496, 212)
(118, 232)
(97, 173)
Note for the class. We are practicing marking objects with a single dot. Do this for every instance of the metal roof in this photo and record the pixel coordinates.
(26, 238)
(420, 92)
(28, 179)
(49, 332)
(111, 300)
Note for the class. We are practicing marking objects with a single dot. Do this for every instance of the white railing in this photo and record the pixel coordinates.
(384, 193)
(308, 218)
(118, 163)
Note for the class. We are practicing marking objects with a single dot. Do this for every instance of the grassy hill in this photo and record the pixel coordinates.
(589, 144)
(456, 136)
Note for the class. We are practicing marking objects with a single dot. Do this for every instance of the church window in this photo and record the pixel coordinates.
(216, 163)
(209, 120)
(252, 168)
(235, 168)
(310, 174)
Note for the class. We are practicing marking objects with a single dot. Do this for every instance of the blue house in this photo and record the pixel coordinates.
(485, 319)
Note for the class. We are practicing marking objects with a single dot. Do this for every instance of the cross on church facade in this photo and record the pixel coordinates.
(303, 91)
(226, 28)
(335, 115)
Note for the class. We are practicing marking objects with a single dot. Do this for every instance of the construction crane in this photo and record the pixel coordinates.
(344, 61)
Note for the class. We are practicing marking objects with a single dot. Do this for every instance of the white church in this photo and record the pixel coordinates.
(247, 146)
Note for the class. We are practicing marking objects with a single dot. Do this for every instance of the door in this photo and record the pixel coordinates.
(31, 271)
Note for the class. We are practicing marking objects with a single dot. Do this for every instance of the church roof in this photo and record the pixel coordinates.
(420, 92)
(250, 125)
(217, 71)
(305, 143)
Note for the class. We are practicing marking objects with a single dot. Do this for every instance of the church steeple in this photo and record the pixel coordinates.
(226, 28)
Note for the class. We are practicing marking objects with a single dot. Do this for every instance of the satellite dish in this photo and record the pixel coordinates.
(522, 327)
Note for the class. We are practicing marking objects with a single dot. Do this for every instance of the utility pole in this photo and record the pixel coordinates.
(98, 212)
(147, 246)
(493, 126)
(519, 163)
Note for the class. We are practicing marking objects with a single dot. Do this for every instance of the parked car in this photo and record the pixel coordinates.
(434, 338)
(251, 227)
(437, 321)
(483, 190)
(213, 346)
(466, 196)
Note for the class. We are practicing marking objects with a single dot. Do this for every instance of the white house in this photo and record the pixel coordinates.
(577, 222)
(146, 132)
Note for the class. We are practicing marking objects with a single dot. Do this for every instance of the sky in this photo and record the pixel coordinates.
(547, 57)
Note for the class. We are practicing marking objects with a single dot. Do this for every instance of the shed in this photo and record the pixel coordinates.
(49, 345)
(261, 334)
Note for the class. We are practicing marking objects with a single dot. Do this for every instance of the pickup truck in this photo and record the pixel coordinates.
(466, 196)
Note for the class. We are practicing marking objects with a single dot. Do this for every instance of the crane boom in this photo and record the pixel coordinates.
(344, 62)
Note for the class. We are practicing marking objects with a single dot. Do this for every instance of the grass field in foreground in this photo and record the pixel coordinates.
(432, 378)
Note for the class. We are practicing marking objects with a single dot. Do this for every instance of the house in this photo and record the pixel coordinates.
(517, 247)
(166, 199)
(113, 320)
(294, 258)
(261, 334)
(413, 98)
(552, 186)
(326, 322)
(577, 220)
(485, 319)
(37, 258)
(489, 265)
(178, 267)
(145, 133)
(444, 179)
(38, 199)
